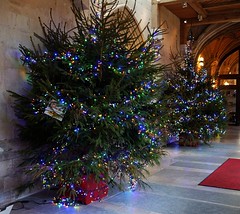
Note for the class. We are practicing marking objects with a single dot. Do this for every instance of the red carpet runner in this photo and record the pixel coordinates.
(226, 176)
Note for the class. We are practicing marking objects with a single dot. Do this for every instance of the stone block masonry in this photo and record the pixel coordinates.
(19, 20)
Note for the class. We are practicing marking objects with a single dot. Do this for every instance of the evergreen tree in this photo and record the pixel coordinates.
(89, 108)
(195, 110)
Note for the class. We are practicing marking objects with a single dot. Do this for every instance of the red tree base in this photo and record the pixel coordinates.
(91, 190)
(88, 190)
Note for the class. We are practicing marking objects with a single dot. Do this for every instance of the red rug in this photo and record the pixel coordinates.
(226, 176)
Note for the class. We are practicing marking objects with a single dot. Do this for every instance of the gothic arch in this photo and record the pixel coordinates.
(135, 29)
(225, 37)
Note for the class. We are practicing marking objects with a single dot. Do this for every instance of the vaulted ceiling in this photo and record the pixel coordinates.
(204, 12)
(199, 14)
(215, 24)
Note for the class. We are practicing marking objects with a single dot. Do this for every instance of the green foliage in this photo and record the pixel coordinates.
(102, 74)
(195, 110)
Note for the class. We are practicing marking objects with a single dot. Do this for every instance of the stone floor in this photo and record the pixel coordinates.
(174, 186)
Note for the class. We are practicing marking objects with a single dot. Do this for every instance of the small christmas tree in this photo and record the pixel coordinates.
(195, 110)
(89, 109)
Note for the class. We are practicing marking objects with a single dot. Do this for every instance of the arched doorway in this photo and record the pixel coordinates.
(228, 81)
(219, 45)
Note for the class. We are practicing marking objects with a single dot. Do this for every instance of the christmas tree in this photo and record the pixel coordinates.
(196, 111)
(89, 109)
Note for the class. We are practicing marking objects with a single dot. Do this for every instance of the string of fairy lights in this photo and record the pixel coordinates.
(100, 88)
(196, 104)
(72, 60)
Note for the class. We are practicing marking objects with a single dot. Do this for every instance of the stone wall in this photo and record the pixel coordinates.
(143, 12)
(19, 20)
(171, 40)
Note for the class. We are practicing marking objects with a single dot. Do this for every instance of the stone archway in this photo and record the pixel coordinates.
(220, 47)
(217, 41)
(135, 30)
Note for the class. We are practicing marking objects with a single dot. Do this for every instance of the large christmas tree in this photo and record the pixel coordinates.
(196, 111)
(89, 109)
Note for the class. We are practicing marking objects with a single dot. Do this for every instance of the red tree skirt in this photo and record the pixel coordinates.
(91, 190)
(88, 190)
(227, 176)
